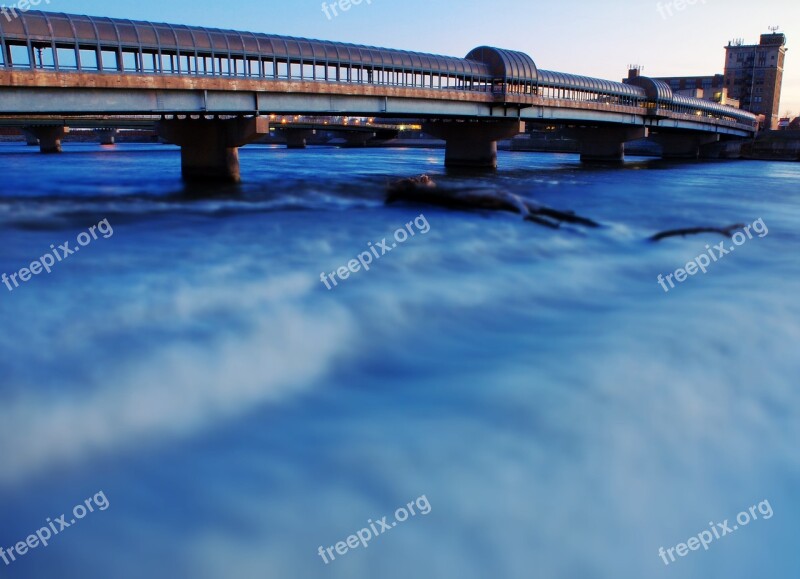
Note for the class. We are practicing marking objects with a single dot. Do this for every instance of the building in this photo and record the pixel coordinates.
(710, 88)
(752, 80)
(754, 75)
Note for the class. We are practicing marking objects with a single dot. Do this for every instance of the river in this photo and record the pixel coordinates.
(563, 415)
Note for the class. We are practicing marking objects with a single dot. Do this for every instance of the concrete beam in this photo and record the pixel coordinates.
(24, 93)
(47, 137)
(210, 147)
(604, 144)
(472, 144)
(682, 146)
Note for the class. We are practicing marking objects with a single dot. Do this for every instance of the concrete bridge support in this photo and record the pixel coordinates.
(473, 144)
(210, 147)
(604, 144)
(359, 139)
(107, 136)
(682, 146)
(296, 138)
(47, 137)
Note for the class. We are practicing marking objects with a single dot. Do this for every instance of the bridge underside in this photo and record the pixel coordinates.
(136, 94)
(228, 114)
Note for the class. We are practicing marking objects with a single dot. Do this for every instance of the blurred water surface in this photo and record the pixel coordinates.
(563, 415)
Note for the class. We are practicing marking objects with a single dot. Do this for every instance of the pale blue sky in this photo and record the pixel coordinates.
(592, 38)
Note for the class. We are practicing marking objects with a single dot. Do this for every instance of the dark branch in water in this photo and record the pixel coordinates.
(543, 221)
(423, 190)
(724, 231)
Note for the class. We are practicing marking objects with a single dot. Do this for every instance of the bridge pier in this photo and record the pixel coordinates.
(358, 139)
(676, 146)
(47, 137)
(604, 144)
(296, 138)
(210, 147)
(473, 144)
(107, 136)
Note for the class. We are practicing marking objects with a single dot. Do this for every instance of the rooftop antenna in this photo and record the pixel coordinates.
(774, 29)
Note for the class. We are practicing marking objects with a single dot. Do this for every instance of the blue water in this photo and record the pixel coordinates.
(563, 415)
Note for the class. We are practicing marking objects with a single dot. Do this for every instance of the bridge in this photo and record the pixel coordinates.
(212, 91)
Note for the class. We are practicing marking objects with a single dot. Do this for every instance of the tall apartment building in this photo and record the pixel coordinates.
(754, 75)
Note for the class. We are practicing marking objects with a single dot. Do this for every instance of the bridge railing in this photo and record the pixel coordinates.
(35, 55)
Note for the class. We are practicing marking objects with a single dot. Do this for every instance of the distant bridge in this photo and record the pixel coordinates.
(211, 89)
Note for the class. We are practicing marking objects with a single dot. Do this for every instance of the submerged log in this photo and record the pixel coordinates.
(724, 231)
(423, 190)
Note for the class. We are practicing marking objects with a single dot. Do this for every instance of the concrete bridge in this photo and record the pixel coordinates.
(212, 91)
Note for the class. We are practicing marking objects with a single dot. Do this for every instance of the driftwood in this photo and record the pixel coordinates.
(724, 231)
(423, 190)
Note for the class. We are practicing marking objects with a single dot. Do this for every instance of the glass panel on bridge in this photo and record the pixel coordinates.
(89, 60)
(67, 59)
(109, 59)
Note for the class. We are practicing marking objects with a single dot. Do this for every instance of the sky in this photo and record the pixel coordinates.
(597, 39)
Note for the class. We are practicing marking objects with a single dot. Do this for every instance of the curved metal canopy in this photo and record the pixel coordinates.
(57, 29)
(550, 78)
(657, 90)
(712, 107)
(509, 65)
